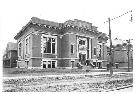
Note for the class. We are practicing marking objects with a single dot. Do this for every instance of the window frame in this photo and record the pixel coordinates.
(72, 48)
(49, 63)
(27, 47)
(99, 50)
(95, 51)
(52, 42)
(19, 49)
(82, 42)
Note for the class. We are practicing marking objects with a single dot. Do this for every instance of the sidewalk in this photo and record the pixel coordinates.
(67, 74)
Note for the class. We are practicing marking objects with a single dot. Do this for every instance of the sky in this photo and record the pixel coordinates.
(14, 14)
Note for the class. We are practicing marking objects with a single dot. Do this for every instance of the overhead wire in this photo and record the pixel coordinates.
(123, 15)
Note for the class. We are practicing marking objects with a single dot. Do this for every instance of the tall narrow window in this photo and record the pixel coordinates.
(100, 51)
(72, 48)
(49, 64)
(20, 49)
(44, 64)
(53, 45)
(95, 51)
(48, 45)
(53, 64)
(26, 46)
(45, 44)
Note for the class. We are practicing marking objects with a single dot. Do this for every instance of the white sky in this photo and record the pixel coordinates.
(14, 14)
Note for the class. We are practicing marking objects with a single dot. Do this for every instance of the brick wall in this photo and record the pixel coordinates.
(13, 58)
(36, 45)
(65, 46)
(121, 56)
(94, 45)
(36, 62)
(103, 52)
(59, 48)
(36, 50)
(22, 39)
(65, 63)
(73, 41)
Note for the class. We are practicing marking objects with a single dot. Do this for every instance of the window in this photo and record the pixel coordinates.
(80, 57)
(53, 64)
(20, 45)
(49, 45)
(82, 42)
(53, 45)
(95, 51)
(26, 46)
(72, 63)
(49, 64)
(72, 48)
(99, 50)
(44, 64)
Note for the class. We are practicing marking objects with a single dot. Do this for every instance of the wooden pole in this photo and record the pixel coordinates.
(128, 54)
(111, 57)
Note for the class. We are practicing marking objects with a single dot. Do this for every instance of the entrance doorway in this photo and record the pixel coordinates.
(82, 58)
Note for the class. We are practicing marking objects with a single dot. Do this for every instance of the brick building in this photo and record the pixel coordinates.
(121, 55)
(10, 56)
(47, 44)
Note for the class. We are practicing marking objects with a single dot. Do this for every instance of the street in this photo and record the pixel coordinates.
(130, 89)
(69, 82)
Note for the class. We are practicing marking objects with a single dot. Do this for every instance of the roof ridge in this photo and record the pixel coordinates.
(42, 21)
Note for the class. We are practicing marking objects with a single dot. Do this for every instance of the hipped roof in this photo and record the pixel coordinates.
(75, 22)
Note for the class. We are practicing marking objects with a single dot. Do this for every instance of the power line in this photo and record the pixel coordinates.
(122, 15)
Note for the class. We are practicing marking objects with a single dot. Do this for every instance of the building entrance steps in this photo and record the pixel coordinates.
(89, 66)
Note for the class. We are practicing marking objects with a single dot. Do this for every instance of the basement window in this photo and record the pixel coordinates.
(49, 64)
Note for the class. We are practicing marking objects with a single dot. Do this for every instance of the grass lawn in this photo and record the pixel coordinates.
(11, 72)
(64, 83)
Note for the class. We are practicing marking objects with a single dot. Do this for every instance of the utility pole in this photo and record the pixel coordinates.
(111, 57)
(111, 53)
(128, 54)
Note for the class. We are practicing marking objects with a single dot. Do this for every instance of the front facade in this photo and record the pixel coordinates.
(46, 44)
